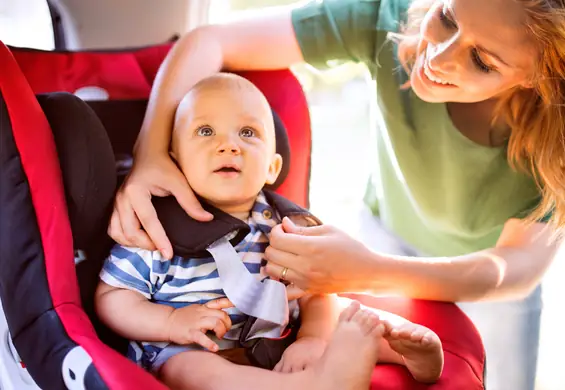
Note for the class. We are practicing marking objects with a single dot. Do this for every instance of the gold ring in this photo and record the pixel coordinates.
(283, 273)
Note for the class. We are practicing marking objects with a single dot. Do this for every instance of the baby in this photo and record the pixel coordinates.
(178, 311)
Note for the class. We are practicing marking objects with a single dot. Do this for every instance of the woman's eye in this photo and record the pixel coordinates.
(205, 131)
(479, 63)
(247, 132)
(446, 20)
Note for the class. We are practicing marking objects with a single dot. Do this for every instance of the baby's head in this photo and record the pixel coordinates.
(224, 141)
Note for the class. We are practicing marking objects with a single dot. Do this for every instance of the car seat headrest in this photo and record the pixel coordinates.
(123, 119)
(83, 184)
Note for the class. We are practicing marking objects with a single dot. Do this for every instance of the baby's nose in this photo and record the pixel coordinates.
(228, 148)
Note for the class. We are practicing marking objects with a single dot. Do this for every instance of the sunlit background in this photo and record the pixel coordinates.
(341, 119)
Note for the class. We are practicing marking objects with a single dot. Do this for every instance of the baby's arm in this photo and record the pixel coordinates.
(122, 302)
(132, 315)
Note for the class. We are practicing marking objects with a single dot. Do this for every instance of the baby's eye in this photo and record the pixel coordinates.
(247, 132)
(205, 131)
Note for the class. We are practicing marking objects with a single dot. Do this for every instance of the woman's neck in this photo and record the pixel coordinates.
(474, 121)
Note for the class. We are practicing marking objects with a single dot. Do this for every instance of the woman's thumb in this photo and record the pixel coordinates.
(292, 228)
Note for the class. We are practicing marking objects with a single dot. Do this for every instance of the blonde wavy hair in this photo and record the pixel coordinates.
(536, 116)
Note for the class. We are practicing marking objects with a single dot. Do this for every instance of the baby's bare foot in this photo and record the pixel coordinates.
(352, 353)
(420, 349)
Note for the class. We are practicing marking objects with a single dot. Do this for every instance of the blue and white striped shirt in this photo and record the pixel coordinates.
(180, 282)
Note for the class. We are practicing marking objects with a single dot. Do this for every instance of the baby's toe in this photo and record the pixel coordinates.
(348, 313)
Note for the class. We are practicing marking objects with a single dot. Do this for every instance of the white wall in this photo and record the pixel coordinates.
(127, 23)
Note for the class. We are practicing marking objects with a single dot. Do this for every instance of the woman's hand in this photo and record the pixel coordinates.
(320, 259)
(134, 220)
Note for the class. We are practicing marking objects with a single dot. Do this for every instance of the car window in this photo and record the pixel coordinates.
(26, 23)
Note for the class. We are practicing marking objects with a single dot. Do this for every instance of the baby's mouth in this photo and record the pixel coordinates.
(228, 169)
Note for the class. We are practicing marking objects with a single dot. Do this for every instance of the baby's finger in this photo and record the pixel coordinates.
(219, 304)
(201, 339)
(214, 324)
(220, 329)
(220, 315)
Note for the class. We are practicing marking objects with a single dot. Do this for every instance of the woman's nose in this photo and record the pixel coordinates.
(442, 58)
(442, 48)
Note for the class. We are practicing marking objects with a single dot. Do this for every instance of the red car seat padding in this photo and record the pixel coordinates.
(39, 290)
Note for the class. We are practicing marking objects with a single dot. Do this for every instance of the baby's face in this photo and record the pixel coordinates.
(224, 142)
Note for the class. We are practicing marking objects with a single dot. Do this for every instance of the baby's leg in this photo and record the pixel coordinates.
(347, 363)
(411, 345)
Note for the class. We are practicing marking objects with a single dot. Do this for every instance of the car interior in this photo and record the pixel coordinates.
(89, 65)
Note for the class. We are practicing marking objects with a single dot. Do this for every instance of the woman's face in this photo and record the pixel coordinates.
(473, 50)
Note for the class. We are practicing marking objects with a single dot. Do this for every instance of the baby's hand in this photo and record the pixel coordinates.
(189, 324)
(302, 353)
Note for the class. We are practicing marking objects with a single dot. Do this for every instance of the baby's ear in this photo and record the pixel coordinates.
(274, 169)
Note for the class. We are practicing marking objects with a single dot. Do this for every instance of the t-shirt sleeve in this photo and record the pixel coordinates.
(129, 268)
(337, 31)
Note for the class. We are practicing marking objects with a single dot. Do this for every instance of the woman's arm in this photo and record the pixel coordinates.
(511, 270)
(324, 259)
(245, 44)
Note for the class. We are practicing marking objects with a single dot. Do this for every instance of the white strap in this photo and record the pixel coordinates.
(266, 300)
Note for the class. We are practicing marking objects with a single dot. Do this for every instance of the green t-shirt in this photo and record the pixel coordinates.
(439, 191)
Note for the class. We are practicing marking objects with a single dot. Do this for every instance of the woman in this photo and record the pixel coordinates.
(482, 91)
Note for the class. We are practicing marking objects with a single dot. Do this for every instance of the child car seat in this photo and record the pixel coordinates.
(38, 267)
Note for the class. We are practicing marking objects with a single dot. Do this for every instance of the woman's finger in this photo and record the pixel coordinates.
(188, 201)
(154, 231)
(275, 271)
(131, 225)
(115, 229)
(282, 258)
(290, 227)
(292, 243)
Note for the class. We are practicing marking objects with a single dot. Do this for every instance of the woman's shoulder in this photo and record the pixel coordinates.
(387, 15)
(334, 31)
